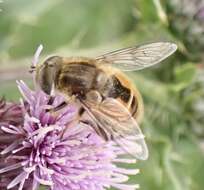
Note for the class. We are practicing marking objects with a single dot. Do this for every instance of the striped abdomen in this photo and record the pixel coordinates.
(124, 92)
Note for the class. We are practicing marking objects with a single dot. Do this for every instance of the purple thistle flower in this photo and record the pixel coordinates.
(10, 114)
(56, 150)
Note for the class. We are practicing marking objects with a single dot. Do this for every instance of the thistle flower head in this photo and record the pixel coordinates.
(187, 21)
(58, 151)
(10, 113)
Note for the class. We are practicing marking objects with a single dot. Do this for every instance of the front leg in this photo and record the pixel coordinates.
(59, 107)
(50, 108)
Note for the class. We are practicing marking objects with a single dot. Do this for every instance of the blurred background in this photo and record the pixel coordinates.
(173, 91)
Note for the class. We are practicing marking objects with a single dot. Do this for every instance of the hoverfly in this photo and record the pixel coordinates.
(104, 92)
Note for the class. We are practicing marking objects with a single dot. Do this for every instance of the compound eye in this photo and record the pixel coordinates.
(52, 60)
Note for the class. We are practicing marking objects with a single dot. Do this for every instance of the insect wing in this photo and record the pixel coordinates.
(117, 123)
(138, 57)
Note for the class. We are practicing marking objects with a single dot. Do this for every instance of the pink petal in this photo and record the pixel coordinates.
(11, 167)
(21, 177)
(37, 55)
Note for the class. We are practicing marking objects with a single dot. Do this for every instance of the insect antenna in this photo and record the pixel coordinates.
(32, 69)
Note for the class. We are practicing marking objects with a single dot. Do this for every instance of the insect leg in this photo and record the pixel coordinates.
(59, 107)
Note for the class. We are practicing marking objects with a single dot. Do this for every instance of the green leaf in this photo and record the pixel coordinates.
(184, 76)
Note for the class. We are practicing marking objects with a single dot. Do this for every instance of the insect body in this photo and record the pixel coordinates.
(81, 76)
(104, 92)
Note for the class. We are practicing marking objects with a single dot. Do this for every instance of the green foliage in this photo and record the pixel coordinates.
(92, 22)
(173, 91)
(184, 76)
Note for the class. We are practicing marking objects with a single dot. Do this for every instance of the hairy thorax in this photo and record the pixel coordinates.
(78, 78)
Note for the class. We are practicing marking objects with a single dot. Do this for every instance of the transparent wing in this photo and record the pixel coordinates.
(115, 122)
(139, 57)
